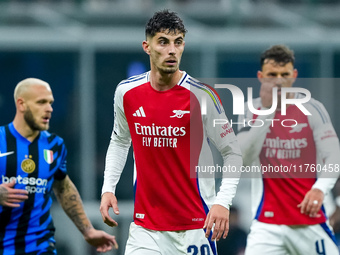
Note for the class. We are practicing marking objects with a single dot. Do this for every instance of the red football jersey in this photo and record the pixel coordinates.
(283, 191)
(292, 152)
(170, 138)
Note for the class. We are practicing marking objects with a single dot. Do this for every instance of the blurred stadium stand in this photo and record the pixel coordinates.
(83, 48)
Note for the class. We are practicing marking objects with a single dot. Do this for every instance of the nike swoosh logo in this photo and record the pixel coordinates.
(6, 153)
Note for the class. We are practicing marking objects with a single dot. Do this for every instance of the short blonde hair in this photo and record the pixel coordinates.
(24, 85)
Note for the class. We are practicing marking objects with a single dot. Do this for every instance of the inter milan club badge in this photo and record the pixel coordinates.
(28, 165)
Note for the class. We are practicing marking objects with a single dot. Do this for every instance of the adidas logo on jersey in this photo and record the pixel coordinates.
(140, 112)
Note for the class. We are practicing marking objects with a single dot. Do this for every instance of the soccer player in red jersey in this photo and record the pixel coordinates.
(176, 211)
(287, 200)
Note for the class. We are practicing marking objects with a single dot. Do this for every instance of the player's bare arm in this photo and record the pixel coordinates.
(12, 197)
(218, 216)
(69, 199)
(109, 200)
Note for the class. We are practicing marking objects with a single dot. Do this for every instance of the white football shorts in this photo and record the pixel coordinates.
(144, 241)
(271, 239)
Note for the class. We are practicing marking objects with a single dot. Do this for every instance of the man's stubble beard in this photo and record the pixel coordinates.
(28, 117)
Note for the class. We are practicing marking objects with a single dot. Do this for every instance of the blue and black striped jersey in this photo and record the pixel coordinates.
(34, 166)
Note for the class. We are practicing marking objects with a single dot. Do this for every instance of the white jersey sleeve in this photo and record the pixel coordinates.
(327, 146)
(229, 185)
(119, 146)
(224, 139)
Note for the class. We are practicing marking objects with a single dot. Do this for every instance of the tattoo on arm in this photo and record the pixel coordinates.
(69, 199)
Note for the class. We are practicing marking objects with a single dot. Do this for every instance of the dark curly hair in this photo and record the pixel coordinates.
(281, 54)
(162, 21)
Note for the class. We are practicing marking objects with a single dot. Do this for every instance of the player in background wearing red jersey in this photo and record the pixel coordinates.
(289, 217)
(160, 112)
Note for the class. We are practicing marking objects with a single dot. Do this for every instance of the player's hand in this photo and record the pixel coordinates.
(109, 200)
(218, 216)
(312, 202)
(101, 240)
(12, 197)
